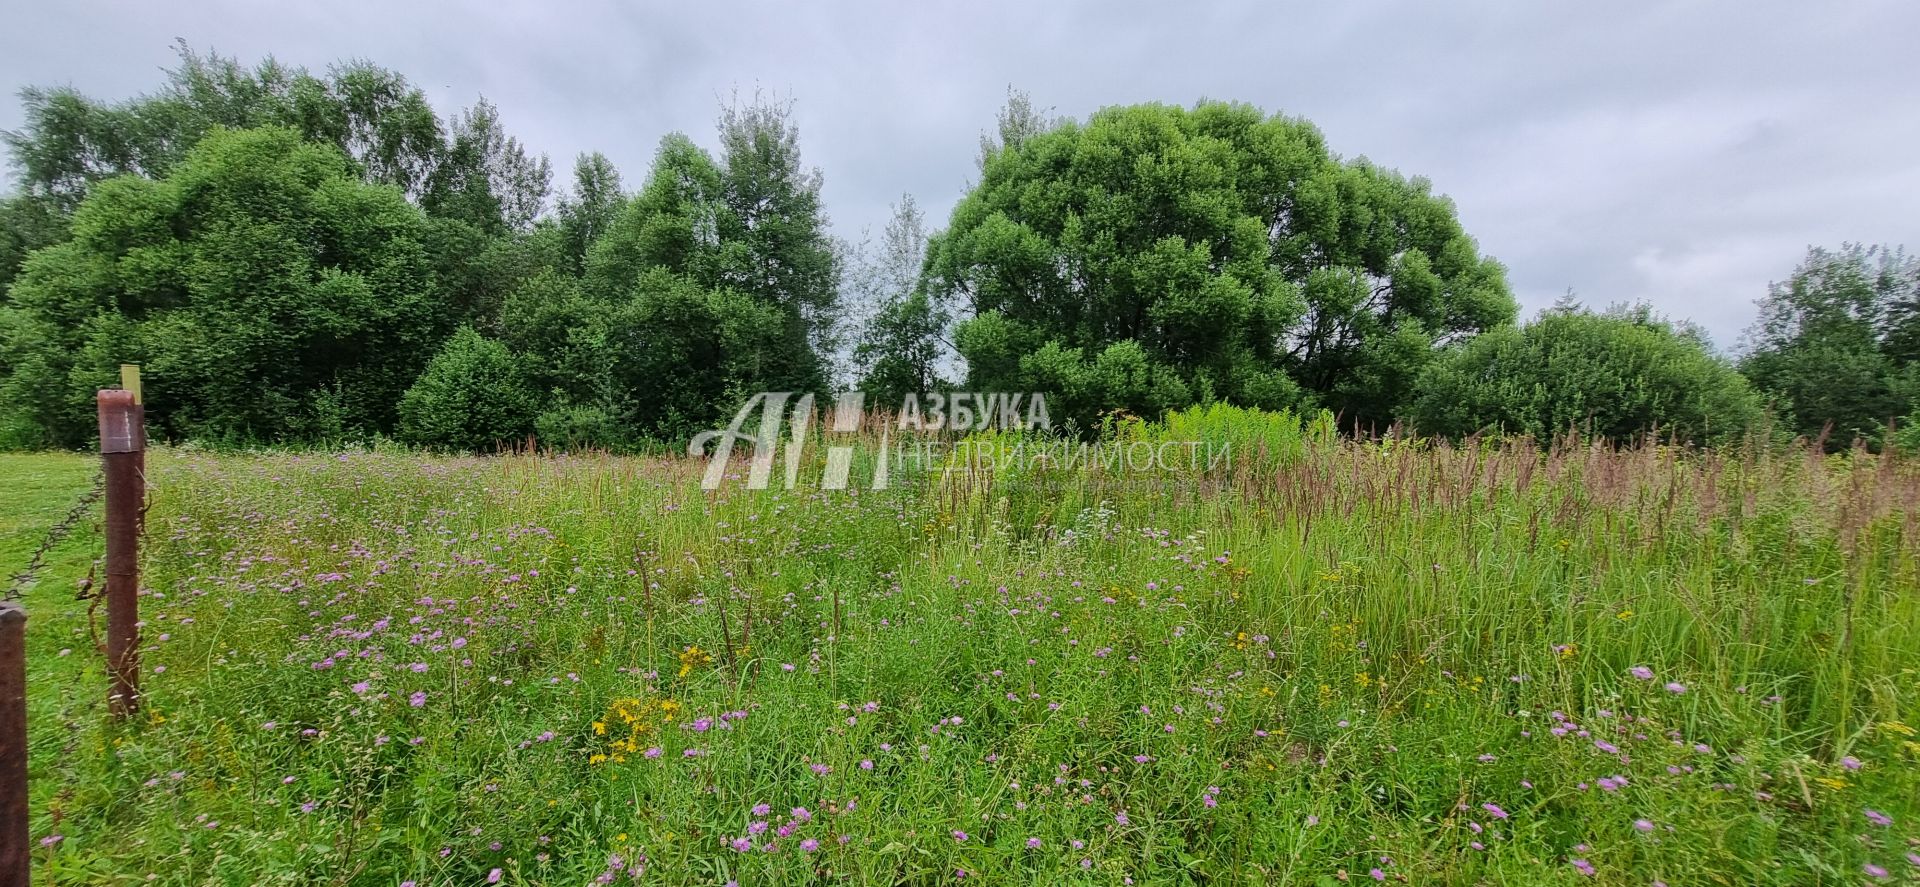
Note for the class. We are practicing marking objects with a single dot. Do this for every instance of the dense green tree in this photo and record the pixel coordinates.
(725, 266)
(1615, 376)
(472, 396)
(269, 292)
(588, 212)
(1238, 257)
(903, 337)
(27, 223)
(374, 115)
(773, 241)
(1836, 343)
(486, 178)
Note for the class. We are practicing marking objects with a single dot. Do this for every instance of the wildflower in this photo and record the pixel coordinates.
(1494, 811)
(809, 845)
(418, 699)
(959, 835)
(493, 877)
(761, 809)
(1878, 818)
(742, 845)
(1033, 843)
(1642, 672)
(1582, 866)
(1643, 825)
(1874, 871)
(1850, 762)
(1676, 688)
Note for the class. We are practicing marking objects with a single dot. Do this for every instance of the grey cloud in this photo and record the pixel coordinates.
(1683, 153)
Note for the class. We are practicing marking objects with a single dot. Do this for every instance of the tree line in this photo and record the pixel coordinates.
(319, 258)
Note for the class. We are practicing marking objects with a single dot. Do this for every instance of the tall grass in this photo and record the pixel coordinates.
(1318, 659)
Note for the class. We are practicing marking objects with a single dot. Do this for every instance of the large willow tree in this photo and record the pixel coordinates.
(1155, 256)
(269, 291)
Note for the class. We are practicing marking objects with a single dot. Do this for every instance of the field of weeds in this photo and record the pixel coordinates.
(1316, 661)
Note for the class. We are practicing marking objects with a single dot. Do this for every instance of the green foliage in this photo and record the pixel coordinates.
(26, 224)
(903, 340)
(589, 211)
(259, 274)
(1225, 253)
(1613, 376)
(1838, 343)
(472, 396)
(70, 142)
(716, 280)
(485, 178)
(262, 311)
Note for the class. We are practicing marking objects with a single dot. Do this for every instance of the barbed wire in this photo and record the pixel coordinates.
(56, 534)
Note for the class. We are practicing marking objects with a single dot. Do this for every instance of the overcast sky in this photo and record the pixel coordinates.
(1685, 156)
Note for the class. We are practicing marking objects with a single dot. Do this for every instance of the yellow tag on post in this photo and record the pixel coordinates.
(130, 379)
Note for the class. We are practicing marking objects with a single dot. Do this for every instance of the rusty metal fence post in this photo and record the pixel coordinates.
(123, 440)
(14, 849)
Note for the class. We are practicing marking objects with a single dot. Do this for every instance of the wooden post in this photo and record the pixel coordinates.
(122, 442)
(14, 849)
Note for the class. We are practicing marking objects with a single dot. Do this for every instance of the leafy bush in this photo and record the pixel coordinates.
(472, 396)
(1614, 375)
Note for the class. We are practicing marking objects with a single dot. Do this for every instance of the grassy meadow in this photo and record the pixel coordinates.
(1319, 661)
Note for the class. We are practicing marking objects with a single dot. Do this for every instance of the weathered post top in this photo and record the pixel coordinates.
(121, 428)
